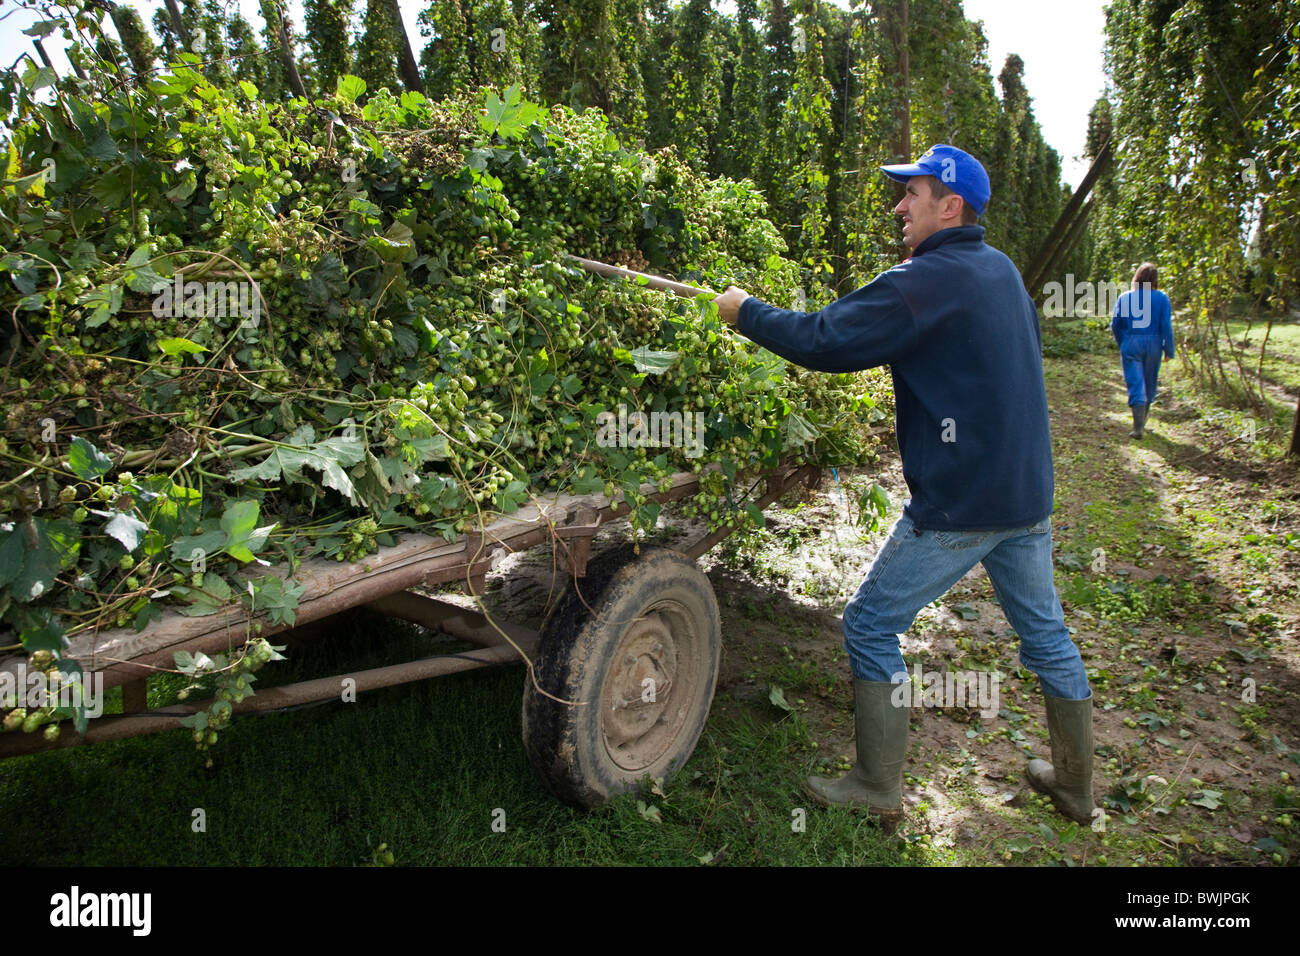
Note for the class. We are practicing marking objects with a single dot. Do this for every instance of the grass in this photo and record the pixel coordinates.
(1066, 338)
(1281, 354)
(428, 769)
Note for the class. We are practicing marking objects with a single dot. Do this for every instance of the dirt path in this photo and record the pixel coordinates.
(1179, 580)
(1187, 626)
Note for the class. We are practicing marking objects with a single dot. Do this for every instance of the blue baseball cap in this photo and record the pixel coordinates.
(955, 168)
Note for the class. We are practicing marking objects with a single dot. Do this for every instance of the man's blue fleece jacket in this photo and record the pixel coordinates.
(960, 336)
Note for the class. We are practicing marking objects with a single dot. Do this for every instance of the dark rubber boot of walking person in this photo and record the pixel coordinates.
(1139, 420)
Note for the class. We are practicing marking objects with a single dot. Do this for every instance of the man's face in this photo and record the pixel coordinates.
(924, 215)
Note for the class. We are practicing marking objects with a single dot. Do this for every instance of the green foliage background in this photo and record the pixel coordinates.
(796, 97)
(1202, 110)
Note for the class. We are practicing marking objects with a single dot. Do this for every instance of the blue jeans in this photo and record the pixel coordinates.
(916, 567)
(1140, 359)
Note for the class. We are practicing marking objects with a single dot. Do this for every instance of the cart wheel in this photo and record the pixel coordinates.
(642, 655)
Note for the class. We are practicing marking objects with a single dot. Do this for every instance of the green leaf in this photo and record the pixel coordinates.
(43, 28)
(433, 448)
(183, 189)
(797, 431)
(509, 117)
(395, 245)
(412, 100)
(509, 498)
(210, 543)
(648, 514)
(649, 812)
(63, 535)
(102, 148)
(105, 302)
(47, 635)
(209, 599)
(13, 553)
(243, 537)
(196, 721)
(24, 276)
(652, 362)
(147, 614)
(188, 663)
(777, 697)
(127, 529)
(76, 682)
(83, 255)
(175, 346)
(215, 585)
(87, 461)
(1152, 720)
(494, 112)
(588, 483)
(239, 519)
(41, 566)
(350, 87)
(277, 599)
(33, 183)
(329, 457)
(1206, 798)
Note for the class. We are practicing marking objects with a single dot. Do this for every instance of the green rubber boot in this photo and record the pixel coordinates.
(876, 780)
(1139, 420)
(1068, 778)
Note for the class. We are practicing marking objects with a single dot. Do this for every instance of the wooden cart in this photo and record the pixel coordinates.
(623, 668)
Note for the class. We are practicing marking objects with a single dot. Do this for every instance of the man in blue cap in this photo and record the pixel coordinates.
(960, 335)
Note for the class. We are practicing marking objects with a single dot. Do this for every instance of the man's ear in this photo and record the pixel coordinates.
(952, 207)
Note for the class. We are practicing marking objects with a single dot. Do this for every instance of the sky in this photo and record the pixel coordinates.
(1060, 42)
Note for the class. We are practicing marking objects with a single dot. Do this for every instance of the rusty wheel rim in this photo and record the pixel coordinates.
(648, 692)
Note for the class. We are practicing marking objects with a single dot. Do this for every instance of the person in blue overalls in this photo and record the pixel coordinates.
(1144, 330)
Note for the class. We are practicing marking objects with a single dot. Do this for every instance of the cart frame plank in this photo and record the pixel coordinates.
(382, 582)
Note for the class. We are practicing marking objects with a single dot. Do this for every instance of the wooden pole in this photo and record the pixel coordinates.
(178, 25)
(654, 282)
(893, 16)
(285, 52)
(1033, 276)
(45, 58)
(271, 698)
(406, 64)
(1067, 245)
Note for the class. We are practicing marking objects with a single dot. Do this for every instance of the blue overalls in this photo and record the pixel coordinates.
(1143, 328)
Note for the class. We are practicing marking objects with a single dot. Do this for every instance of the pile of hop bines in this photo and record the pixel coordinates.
(246, 330)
